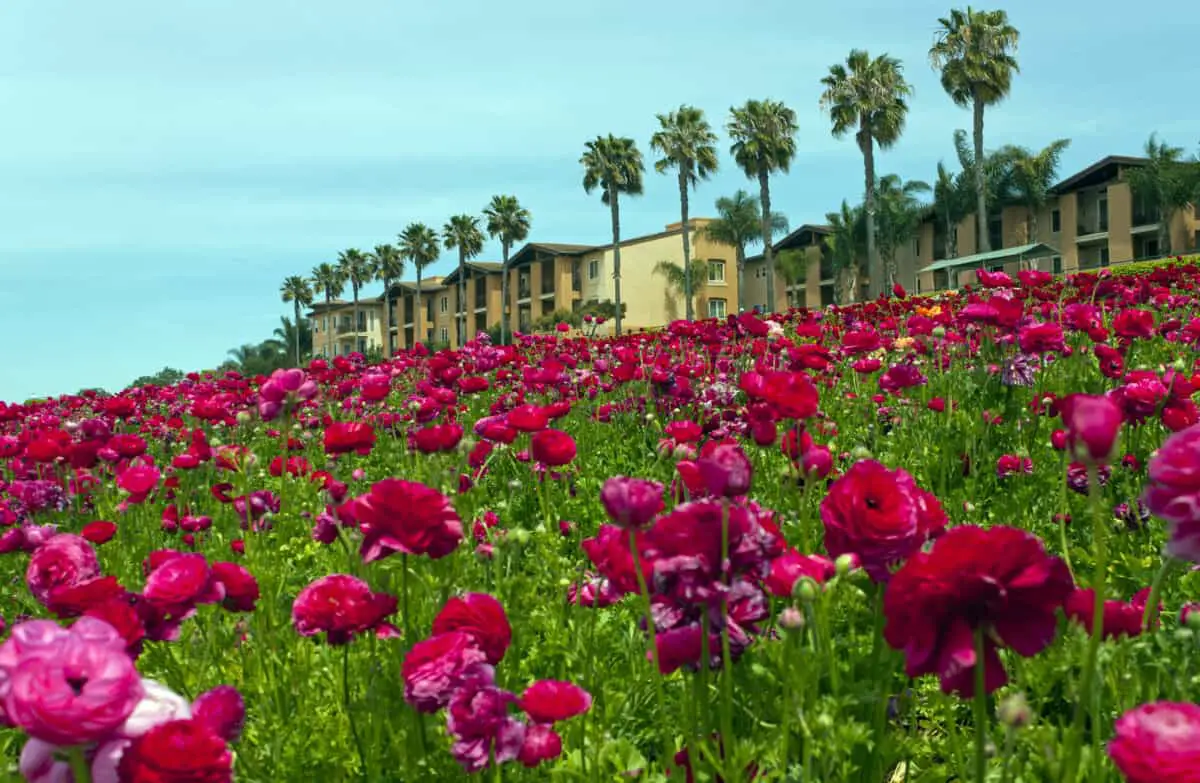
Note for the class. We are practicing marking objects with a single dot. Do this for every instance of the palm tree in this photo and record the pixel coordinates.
(462, 232)
(419, 244)
(509, 222)
(899, 217)
(1164, 186)
(388, 267)
(1034, 174)
(327, 280)
(793, 266)
(846, 243)
(356, 270)
(290, 333)
(764, 142)
(870, 96)
(688, 145)
(613, 164)
(975, 52)
(295, 289)
(680, 284)
(952, 197)
(738, 224)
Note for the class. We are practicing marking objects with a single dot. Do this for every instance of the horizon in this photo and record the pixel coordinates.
(169, 166)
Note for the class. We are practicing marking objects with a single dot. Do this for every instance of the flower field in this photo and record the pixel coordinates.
(920, 539)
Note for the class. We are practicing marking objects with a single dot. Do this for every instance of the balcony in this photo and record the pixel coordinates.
(523, 288)
(348, 328)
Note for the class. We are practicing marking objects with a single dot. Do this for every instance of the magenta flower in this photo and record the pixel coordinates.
(632, 502)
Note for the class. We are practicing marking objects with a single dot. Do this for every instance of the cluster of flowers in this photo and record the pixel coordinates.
(78, 697)
(454, 670)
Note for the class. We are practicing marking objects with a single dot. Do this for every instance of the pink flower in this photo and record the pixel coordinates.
(67, 686)
(66, 560)
(542, 743)
(726, 471)
(1157, 743)
(435, 667)
(631, 502)
(1093, 424)
(1173, 491)
(551, 701)
(478, 719)
(183, 581)
(222, 710)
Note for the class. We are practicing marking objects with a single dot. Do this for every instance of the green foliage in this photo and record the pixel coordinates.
(167, 376)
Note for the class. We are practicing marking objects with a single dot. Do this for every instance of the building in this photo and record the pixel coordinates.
(483, 281)
(815, 288)
(336, 333)
(1090, 221)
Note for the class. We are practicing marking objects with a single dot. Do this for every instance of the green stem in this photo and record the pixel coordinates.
(1099, 583)
(646, 606)
(726, 657)
(980, 708)
(1155, 592)
(881, 697)
(362, 755)
(81, 771)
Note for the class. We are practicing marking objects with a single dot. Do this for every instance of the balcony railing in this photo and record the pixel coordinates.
(1145, 219)
(523, 290)
(348, 328)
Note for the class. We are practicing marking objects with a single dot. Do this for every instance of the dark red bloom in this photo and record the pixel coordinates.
(482, 617)
(404, 516)
(342, 606)
(180, 751)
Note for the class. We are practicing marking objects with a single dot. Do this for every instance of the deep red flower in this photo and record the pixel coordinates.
(99, 532)
(553, 448)
(551, 701)
(342, 606)
(482, 617)
(999, 581)
(180, 751)
(343, 437)
(405, 516)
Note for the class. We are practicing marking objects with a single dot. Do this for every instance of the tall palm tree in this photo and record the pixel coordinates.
(738, 224)
(356, 270)
(1165, 185)
(952, 199)
(462, 233)
(689, 284)
(975, 52)
(1034, 174)
(869, 96)
(509, 222)
(614, 165)
(688, 145)
(327, 280)
(419, 244)
(290, 333)
(793, 266)
(388, 268)
(846, 243)
(899, 217)
(764, 142)
(295, 289)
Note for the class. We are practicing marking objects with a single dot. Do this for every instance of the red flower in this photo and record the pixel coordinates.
(482, 617)
(551, 701)
(182, 581)
(552, 448)
(405, 516)
(631, 502)
(241, 588)
(999, 580)
(790, 567)
(180, 751)
(880, 515)
(1158, 743)
(341, 606)
(435, 667)
(343, 437)
(99, 532)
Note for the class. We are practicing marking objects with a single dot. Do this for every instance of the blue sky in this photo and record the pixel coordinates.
(164, 165)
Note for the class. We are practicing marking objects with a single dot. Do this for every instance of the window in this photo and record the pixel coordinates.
(716, 308)
(593, 269)
(1056, 264)
(1104, 214)
(444, 334)
(324, 327)
(716, 271)
(1151, 248)
(917, 247)
(1104, 256)
(1056, 221)
(444, 305)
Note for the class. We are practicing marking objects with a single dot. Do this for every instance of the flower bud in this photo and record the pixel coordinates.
(1014, 711)
(845, 564)
(805, 590)
(791, 619)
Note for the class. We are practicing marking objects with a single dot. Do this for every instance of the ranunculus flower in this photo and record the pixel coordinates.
(342, 606)
(222, 710)
(1173, 491)
(999, 581)
(1158, 743)
(542, 743)
(1093, 423)
(240, 586)
(552, 448)
(64, 560)
(405, 516)
(98, 532)
(631, 502)
(67, 686)
(482, 617)
(880, 515)
(551, 701)
(175, 752)
(181, 582)
(435, 667)
(726, 470)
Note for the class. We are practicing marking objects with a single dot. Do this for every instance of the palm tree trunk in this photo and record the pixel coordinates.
(687, 242)
(1164, 232)
(418, 311)
(740, 254)
(330, 324)
(951, 244)
(504, 248)
(764, 195)
(462, 298)
(296, 305)
(354, 288)
(874, 266)
(981, 216)
(614, 206)
(387, 317)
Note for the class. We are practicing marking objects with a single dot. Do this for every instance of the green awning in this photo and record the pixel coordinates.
(1035, 250)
